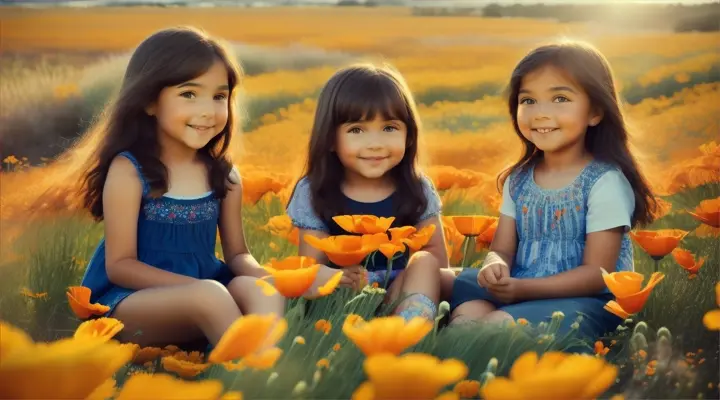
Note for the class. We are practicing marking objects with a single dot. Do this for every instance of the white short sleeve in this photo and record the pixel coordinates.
(508, 204)
(611, 203)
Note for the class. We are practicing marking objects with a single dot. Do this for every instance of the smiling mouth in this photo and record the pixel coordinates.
(544, 130)
(201, 127)
(372, 158)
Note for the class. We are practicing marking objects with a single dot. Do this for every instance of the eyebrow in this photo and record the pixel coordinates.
(553, 89)
(193, 84)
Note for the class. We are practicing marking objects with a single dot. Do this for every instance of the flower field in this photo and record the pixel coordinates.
(54, 80)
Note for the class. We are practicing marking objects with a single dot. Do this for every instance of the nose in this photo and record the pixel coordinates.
(375, 140)
(207, 109)
(541, 111)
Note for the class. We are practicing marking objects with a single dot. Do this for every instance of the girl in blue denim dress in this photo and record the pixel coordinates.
(362, 160)
(568, 203)
(161, 181)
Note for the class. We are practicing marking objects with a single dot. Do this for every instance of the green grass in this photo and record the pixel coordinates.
(49, 251)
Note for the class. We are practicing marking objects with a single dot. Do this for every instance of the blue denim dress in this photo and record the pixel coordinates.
(173, 234)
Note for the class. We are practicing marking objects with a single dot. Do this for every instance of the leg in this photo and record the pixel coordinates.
(251, 300)
(176, 314)
(471, 311)
(447, 280)
(469, 301)
(498, 316)
(421, 279)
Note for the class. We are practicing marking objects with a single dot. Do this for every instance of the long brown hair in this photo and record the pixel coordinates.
(356, 93)
(608, 140)
(166, 58)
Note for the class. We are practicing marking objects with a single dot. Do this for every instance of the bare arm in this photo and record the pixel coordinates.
(122, 195)
(504, 244)
(232, 236)
(601, 250)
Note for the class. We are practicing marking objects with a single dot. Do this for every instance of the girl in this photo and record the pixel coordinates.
(568, 203)
(163, 183)
(363, 160)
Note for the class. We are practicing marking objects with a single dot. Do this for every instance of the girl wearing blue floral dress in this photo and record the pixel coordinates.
(162, 181)
(568, 203)
(362, 160)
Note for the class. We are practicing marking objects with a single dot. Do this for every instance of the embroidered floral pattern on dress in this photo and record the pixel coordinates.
(178, 212)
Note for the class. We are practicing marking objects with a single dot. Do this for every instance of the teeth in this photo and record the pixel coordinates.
(544, 130)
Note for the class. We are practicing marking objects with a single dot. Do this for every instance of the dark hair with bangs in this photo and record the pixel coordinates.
(356, 93)
(166, 58)
(606, 141)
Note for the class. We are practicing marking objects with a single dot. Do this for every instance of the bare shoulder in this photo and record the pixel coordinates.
(122, 172)
(234, 183)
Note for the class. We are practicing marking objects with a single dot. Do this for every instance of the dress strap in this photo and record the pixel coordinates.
(138, 168)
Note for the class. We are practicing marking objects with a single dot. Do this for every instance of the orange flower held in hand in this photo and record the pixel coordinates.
(347, 250)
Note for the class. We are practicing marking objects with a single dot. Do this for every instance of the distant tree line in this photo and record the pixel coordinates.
(680, 17)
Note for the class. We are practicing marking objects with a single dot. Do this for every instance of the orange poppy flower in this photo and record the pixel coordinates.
(658, 243)
(79, 300)
(626, 286)
(184, 368)
(419, 239)
(281, 226)
(454, 240)
(249, 334)
(262, 360)
(484, 240)
(364, 224)
(711, 319)
(255, 185)
(293, 276)
(708, 212)
(472, 225)
(687, 261)
(104, 328)
(347, 250)
(385, 334)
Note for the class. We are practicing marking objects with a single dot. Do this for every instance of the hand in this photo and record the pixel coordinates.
(507, 290)
(353, 277)
(493, 272)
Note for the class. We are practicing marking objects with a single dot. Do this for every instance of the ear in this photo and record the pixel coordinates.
(596, 115)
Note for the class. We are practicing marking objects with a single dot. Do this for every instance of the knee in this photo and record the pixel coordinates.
(498, 316)
(208, 291)
(241, 284)
(423, 262)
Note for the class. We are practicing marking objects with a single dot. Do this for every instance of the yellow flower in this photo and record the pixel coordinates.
(248, 334)
(467, 389)
(262, 360)
(104, 391)
(104, 328)
(232, 396)
(385, 334)
(184, 368)
(555, 375)
(323, 326)
(164, 386)
(415, 376)
(711, 320)
(66, 369)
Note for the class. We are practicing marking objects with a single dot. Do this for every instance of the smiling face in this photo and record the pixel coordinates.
(194, 112)
(370, 148)
(554, 112)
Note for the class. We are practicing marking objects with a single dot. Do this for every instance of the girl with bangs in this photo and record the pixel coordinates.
(162, 181)
(568, 203)
(362, 160)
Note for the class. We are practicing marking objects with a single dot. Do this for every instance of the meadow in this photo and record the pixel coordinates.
(60, 66)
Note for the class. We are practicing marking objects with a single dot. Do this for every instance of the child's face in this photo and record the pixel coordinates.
(553, 111)
(194, 112)
(369, 149)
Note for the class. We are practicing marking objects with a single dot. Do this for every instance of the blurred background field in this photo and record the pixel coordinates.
(59, 66)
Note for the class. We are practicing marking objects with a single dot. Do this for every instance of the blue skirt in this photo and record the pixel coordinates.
(596, 320)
